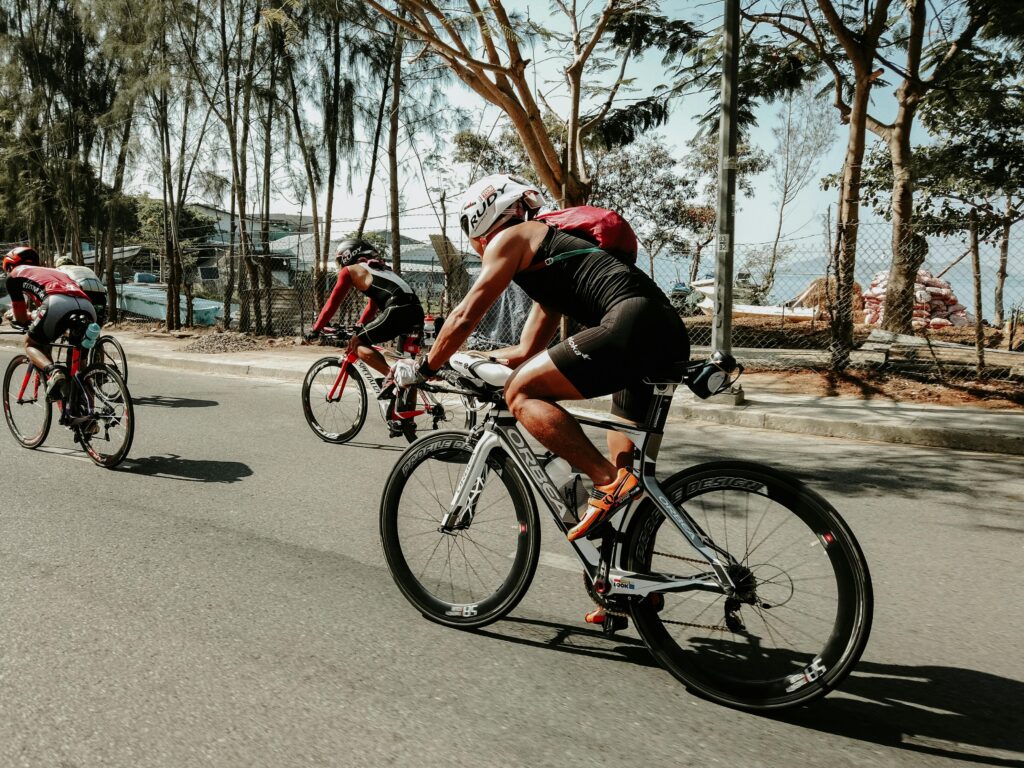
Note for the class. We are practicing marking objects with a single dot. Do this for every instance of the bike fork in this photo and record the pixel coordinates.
(471, 484)
(339, 383)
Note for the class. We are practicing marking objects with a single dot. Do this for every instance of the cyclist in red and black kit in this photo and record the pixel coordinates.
(55, 296)
(392, 308)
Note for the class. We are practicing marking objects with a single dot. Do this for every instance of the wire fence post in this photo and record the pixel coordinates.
(721, 332)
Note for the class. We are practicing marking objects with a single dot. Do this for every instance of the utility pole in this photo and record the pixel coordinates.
(721, 330)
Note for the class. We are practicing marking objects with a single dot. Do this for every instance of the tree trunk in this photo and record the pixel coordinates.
(376, 147)
(229, 289)
(332, 116)
(1004, 253)
(108, 240)
(319, 276)
(841, 313)
(979, 328)
(396, 103)
(907, 256)
(268, 151)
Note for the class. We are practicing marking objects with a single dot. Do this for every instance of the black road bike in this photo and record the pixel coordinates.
(744, 583)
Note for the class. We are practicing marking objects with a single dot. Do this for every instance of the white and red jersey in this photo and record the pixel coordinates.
(40, 282)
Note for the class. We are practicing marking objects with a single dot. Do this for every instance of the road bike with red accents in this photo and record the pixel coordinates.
(95, 404)
(335, 400)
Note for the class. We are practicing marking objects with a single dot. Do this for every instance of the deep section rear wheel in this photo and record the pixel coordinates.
(26, 409)
(335, 414)
(799, 615)
(477, 573)
(108, 425)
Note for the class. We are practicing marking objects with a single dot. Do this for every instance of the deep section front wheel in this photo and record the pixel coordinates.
(26, 408)
(798, 615)
(335, 410)
(107, 419)
(108, 351)
(477, 572)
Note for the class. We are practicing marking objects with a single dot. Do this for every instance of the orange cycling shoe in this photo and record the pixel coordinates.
(604, 499)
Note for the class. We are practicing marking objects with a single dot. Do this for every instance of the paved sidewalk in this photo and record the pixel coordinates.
(974, 429)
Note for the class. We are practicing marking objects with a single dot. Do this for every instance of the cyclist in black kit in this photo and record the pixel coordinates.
(392, 308)
(632, 331)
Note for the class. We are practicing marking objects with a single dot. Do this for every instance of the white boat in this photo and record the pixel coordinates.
(782, 312)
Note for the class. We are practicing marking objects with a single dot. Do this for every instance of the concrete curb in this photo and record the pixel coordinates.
(922, 427)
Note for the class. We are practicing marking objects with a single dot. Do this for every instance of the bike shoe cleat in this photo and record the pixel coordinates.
(604, 500)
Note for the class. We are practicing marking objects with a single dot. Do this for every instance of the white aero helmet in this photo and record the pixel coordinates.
(493, 200)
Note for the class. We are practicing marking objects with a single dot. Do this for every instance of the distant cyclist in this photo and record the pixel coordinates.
(89, 282)
(56, 297)
(392, 308)
(631, 332)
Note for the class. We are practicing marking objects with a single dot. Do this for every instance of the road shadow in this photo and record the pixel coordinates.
(394, 447)
(173, 467)
(572, 640)
(165, 401)
(859, 470)
(948, 712)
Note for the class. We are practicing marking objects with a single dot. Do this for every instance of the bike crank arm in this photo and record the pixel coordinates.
(630, 584)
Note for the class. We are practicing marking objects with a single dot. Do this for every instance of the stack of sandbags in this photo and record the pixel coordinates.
(935, 304)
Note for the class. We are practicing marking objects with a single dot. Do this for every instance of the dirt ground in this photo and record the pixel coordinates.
(873, 385)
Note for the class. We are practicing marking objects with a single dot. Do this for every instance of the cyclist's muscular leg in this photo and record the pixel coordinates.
(373, 358)
(38, 353)
(532, 393)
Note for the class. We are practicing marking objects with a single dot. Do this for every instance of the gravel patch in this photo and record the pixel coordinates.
(218, 343)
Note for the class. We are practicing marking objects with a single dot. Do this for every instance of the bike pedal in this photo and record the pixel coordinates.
(600, 530)
(613, 624)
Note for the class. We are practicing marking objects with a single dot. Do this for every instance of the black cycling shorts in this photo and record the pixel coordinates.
(52, 316)
(395, 320)
(637, 338)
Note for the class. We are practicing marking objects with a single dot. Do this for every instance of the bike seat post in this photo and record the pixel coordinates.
(654, 424)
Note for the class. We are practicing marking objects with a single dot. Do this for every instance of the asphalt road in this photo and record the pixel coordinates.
(222, 601)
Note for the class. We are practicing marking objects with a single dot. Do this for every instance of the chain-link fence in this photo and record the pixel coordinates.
(946, 311)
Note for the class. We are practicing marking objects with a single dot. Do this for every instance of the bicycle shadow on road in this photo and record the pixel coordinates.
(396, 447)
(165, 401)
(173, 467)
(950, 712)
(566, 639)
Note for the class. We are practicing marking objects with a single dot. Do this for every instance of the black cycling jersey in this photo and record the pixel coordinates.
(386, 288)
(586, 286)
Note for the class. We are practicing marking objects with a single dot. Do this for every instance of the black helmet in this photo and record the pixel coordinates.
(353, 249)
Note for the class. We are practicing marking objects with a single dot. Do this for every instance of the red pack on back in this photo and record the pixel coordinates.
(605, 228)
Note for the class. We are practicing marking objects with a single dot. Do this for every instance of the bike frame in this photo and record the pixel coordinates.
(351, 360)
(500, 432)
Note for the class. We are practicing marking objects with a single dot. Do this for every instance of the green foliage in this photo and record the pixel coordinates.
(975, 159)
(148, 216)
(643, 182)
(624, 125)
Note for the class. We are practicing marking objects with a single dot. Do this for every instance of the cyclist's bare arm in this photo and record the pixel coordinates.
(499, 264)
(537, 332)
